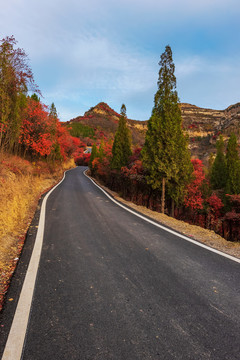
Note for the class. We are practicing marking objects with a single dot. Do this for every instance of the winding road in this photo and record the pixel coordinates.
(111, 285)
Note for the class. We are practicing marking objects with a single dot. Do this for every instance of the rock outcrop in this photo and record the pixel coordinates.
(208, 121)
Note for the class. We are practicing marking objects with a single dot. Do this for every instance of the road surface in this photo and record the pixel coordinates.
(113, 286)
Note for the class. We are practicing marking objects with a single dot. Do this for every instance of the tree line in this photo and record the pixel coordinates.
(162, 174)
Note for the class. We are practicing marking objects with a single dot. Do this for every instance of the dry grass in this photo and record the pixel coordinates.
(21, 185)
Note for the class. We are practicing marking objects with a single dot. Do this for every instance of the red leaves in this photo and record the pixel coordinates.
(232, 216)
(135, 169)
(101, 163)
(194, 198)
(35, 135)
(82, 160)
(215, 204)
(42, 134)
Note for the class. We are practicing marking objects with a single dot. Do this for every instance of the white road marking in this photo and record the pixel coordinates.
(163, 227)
(14, 346)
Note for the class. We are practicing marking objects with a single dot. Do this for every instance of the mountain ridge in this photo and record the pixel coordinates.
(203, 125)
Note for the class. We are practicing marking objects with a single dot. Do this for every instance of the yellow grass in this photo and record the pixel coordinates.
(21, 185)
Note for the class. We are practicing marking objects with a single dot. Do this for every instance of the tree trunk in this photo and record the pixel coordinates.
(149, 197)
(172, 208)
(163, 195)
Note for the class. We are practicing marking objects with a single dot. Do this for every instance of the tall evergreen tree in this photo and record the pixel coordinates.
(35, 97)
(101, 151)
(233, 166)
(219, 168)
(121, 149)
(93, 156)
(53, 111)
(165, 152)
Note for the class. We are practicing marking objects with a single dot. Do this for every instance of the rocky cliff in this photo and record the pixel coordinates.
(208, 121)
(205, 125)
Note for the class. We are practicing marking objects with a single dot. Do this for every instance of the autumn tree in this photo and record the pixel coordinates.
(233, 166)
(35, 135)
(101, 163)
(165, 153)
(121, 150)
(194, 197)
(16, 79)
(219, 168)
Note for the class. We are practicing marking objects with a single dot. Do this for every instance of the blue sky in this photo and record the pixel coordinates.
(86, 51)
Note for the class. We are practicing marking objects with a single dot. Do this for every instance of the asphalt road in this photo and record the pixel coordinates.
(112, 286)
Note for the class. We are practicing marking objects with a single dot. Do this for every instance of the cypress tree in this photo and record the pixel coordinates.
(165, 153)
(35, 97)
(233, 166)
(121, 149)
(93, 156)
(100, 153)
(52, 111)
(219, 168)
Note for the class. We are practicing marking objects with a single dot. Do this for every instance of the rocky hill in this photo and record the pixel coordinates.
(207, 121)
(205, 125)
(202, 125)
(104, 121)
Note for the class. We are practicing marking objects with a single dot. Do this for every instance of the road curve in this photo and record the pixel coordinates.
(113, 286)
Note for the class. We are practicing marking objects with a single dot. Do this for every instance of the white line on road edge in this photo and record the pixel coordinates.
(15, 341)
(163, 227)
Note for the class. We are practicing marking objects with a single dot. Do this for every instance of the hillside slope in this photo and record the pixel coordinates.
(202, 125)
(104, 121)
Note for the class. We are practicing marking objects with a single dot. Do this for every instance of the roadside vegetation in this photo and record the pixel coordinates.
(163, 177)
(35, 149)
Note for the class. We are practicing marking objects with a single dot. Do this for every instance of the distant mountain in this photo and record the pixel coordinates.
(202, 125)
(205, 125)
(104, 121)
(208, 121)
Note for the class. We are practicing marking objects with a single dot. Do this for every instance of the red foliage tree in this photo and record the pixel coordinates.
(68, 144)
(35, 135)
(135, 169)
(83, 159)
(136, 155)
(215, 205)
(42, 135)
(194, 199)
(101, 163)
